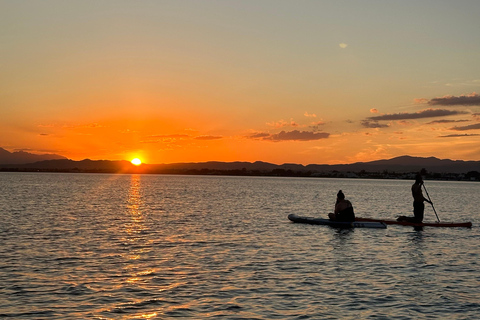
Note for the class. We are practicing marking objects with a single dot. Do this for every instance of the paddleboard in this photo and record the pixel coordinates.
(336, 224)
(423, 224)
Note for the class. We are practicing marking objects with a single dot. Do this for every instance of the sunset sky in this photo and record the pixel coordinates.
(303, 82)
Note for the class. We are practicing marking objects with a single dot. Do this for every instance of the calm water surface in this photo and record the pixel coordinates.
(95, 246)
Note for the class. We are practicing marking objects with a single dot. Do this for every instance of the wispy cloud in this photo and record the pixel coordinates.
(373, 124)
(294, 135)
(460, 135)
(260, 135)
(429, 113)
(472, 99)
(299, 136)
(469, 127)
(420, 100)
(72, 126)
(446, 121)
(165, 138)
(282, 123)
(463, 83)
(170, 136)
(207, 137)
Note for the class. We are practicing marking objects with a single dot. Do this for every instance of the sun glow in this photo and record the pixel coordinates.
(136, 161)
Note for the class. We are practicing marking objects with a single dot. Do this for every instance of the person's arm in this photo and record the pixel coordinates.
(421, 192)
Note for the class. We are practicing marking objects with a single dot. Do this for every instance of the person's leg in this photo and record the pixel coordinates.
(418, 208)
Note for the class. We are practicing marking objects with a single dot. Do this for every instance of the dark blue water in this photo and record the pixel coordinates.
(81, 246)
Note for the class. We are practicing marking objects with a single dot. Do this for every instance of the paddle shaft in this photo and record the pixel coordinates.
(431, 202)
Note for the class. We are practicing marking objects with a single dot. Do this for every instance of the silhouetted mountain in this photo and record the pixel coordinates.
(215, 165)
(67, 165)
(21, 157)
(395, 166)
(415, 164)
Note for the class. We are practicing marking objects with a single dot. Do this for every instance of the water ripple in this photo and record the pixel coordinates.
(164, 247)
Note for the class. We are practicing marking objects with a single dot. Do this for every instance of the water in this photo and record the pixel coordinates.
(95, 246)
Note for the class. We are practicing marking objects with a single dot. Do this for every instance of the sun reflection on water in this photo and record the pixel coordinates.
(134, 203)
(136, 233)
(147, 316)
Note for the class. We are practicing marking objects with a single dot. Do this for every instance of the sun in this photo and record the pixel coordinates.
(136, 161)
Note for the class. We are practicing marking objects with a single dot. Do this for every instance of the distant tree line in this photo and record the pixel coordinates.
(362, 174)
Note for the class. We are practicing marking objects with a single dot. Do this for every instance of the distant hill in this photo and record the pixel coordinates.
(86, 165)
(405, 164)
(21, 157)
(394, 166)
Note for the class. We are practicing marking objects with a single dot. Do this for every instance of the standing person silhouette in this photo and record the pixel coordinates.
(418, 199)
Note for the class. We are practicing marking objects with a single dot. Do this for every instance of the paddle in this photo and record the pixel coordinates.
(430, 201)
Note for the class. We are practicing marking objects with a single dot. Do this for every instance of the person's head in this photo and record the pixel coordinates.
(340, 195)
(418, 179)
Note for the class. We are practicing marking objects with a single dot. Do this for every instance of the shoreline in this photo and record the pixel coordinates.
(470, 176)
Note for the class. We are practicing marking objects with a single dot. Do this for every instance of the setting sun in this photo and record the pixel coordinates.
(136, 161)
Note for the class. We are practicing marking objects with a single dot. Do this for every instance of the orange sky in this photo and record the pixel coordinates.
(276, 81)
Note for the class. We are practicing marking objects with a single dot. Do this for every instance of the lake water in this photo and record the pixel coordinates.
(99, 246)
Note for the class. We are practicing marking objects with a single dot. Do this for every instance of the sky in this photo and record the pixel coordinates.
(307, 82)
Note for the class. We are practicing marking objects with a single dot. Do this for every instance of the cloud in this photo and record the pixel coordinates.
(462, 83)
(294, 135)
(373, 110)
(208, 137)
(282, 123)
(343, 45)
(259, 135)
(170, 136)
(420, 100)
(429, 113)
(72, 126)
(88, 125)
(459, 135)
(446, 121)
(310, 115)
(469, 127)
(373, 124)
(165, 138)
(472, 99)
(404, 122)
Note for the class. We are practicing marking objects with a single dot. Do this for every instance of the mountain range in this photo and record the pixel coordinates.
(22, 157)
(24, 161)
